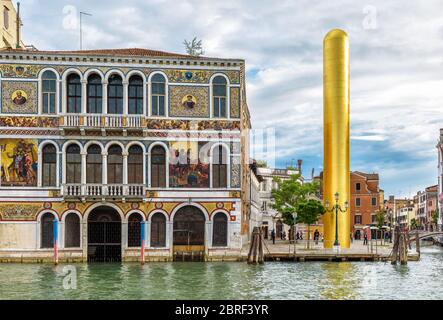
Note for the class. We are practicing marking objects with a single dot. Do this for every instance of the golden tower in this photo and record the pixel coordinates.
(336, 172)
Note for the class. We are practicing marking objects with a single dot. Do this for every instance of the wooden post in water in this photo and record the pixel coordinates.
(256, 254)
(394, 256)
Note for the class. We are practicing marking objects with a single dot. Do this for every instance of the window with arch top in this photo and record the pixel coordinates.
(115, 94)
(135, 165)
(73, 164)
(94, 164)
(74, 86)
(49, 91)
(47, 231)
(134, 230)
(115, 164)
(220, 232)
(219, 167)
(158, 167)
(219, 93)
(158, 230)
(95, 94)
(135, 95)
(158, 94)
(49, 168)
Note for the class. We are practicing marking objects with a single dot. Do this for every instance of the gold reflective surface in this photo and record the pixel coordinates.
(336, 171)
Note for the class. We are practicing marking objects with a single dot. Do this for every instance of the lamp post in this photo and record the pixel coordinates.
(336, 208)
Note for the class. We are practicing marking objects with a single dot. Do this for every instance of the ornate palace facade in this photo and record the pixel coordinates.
(103, 140)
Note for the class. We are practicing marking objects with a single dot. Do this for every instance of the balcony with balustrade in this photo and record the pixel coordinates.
(104, 191)
(102, 121)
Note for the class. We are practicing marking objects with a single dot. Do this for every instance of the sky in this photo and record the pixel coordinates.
(396, 68)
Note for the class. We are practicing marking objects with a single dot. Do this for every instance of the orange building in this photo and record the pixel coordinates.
(365, 200)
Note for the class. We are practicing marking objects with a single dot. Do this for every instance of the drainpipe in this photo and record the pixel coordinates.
(18, 26)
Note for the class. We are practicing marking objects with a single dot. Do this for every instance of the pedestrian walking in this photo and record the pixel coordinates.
(273, 236)
(365, 239)
(283, 235)
(316, 236)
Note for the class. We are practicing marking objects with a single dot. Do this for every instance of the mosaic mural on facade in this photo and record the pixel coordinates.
(19, 71)
(19, 211)
(199, 76)
(235, 172)
(188, 101)
(235, 102)
(29, 122)
(18, 162)
(166, 124)
(19, 97)
(186, 169)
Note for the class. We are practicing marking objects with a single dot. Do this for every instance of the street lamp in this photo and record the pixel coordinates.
(336, 208)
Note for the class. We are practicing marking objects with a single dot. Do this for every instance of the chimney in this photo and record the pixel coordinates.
(18, 23)
(299, 162)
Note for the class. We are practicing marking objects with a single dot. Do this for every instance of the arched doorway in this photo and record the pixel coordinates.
(104, 235)
(189, 234)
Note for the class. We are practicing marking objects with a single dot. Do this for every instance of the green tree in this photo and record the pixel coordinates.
(380, 219)
(262, 164)
(414, 224)
(434, 218)
(308, 212)
(289, 194)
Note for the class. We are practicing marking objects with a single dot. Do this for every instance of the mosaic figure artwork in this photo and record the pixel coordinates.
(235, 102)
(162, 124)
(188, 101)
(18, 162)
(19, 97)
(186, 170)
(20, 71)
(29, 122)
(235, 172)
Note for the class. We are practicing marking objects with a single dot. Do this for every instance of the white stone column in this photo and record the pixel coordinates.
(84, 237)
(105, 172)
(61, 234)
(105, 97)
(147, 234)
(84, 83)
(125, 172)
(125, 97)
(40, 169)
(169, 236)
(83, 173)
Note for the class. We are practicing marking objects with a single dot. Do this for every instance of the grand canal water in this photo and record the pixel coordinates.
(273, 280)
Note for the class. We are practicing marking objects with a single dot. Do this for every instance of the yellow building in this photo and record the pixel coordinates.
(10, 28)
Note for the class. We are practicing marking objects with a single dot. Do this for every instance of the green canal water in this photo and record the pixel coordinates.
(237, 280)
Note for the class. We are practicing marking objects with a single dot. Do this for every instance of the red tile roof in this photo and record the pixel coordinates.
(124, 52)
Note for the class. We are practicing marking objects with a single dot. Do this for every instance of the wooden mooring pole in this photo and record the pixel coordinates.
(256, 254)
(400, 249)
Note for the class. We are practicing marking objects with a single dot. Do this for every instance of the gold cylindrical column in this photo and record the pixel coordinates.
(336, 172)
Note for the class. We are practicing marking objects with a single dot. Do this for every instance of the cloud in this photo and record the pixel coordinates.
(396, 95)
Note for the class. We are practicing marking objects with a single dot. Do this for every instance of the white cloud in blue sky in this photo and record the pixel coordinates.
(396, 68)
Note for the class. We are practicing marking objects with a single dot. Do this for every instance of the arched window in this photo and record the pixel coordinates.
(158, 93)
(73, 164)
(49, 90)
(115, 94)
(135, 92)
(115, 165)
(135, 165)
(158, 167)
(49, 168)
(95, 94)
(94, 164)
(72, 231)
(134, 230)
(219, 97)
(219, 167)
(74, 94)
(158, 230)
(220, 232)
(47, 230)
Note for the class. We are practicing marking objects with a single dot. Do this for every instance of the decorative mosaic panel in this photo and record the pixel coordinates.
(19, 211)
(188, 101)
(235, 147)
(235, 172)
(187, 169)
(18, 162)
(29, 122)
(164, 124)
(235, 102)
(199, 76)
(19, 97)
(19, 71)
